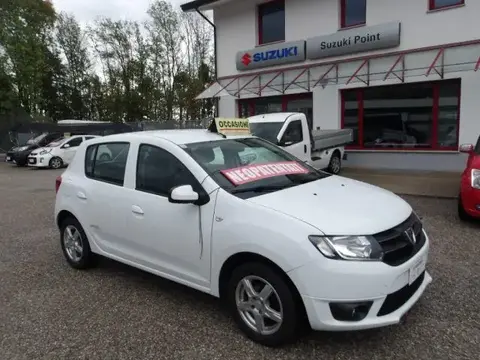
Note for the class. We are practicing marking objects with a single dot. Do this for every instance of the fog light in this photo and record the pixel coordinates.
(477, 207)
(41, 160)
(350, 311)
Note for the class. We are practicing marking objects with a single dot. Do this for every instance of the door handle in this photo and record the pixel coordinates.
(137, 210)
(81, 195)
(305, 148)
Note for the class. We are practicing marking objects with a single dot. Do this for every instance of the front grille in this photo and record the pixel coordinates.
(395, 300)
(396, 245)
(32, 160)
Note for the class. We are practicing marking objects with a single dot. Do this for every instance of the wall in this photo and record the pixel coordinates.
(237, 30)
(237, 24)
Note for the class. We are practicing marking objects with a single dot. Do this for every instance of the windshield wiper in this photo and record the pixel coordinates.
(262, 188)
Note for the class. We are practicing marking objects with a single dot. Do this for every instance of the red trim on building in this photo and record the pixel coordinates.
(478, 65)
(435, 146)
(260, 24)
(434, 63)
(391, 70)
(343, 16)
(432, 5)
(359, 58)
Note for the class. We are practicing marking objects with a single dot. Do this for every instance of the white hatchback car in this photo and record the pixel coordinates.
(287, 246)
(60, 152)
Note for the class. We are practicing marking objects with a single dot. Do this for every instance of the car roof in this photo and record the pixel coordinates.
(178, 137)
(272, 117)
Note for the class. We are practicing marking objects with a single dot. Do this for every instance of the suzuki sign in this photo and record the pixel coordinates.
(271, 55)
(356, 40)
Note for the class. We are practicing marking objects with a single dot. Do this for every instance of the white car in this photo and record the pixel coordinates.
(60, 152)
(287, 246)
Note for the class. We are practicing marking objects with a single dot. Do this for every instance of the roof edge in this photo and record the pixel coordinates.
(194, 5)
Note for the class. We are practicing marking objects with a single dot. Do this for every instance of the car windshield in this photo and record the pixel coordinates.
(250, 167)
(56, 142)
(266, 130)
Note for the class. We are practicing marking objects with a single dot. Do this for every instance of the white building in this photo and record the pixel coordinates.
(403, 74)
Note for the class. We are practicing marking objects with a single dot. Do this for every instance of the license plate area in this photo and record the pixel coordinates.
(416, 270)
(31, 161)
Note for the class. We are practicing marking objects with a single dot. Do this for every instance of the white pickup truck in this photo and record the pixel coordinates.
(323, 149)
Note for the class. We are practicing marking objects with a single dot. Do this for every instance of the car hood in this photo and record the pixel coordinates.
(339, 206)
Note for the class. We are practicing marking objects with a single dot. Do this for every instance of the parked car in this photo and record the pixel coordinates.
(469, 197)
(19, 154)
(288, 247)
(61, 152)
(323, 149)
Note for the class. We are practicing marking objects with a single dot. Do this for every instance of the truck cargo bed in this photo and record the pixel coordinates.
(325, 139)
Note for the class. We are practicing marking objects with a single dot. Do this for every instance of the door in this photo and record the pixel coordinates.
(106, 197)
(171, 238)
(70, 148)
(294, 140)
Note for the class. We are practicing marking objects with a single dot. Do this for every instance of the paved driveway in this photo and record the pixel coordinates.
(49, 311)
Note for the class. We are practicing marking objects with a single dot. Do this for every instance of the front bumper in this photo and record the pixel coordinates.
(471, 201)
(18, 157)
(39, 160)
(391, 290)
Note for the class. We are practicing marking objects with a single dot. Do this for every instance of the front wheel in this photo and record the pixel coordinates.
(264, 306)
(55, 163)
(335, 164)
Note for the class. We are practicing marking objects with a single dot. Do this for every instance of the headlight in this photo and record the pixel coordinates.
(475, 178)
(23, 148)
(43, 152)
(360, 248)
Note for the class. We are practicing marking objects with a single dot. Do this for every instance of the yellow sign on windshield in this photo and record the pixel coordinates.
(227, 126)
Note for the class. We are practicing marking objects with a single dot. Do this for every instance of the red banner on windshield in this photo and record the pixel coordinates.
(250, 173)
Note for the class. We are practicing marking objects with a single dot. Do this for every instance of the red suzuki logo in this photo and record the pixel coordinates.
(246, 59)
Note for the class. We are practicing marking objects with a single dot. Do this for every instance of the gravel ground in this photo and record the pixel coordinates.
(50, 311)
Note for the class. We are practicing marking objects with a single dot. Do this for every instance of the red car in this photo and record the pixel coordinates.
(469, 198)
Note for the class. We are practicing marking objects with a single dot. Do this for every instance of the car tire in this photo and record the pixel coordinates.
(335, 164)
(55, 163)
(75, 245)
(248, 307)
(462, 214)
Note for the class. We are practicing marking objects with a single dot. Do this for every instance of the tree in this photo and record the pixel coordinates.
(24, 35)
(73, 47)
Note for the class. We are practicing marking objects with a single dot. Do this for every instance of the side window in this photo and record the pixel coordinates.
(107, 162)
(158, 171)
(293, 134)
(75, 142)
(89, 137)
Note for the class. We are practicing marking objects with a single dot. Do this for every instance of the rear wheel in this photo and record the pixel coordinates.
(75, 246)
(264, 306)
(55, 163)
(335, 164)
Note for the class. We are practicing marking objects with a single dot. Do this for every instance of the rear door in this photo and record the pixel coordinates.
(104, 192)
(293, 138)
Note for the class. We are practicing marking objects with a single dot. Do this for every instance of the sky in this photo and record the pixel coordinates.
(87, 10)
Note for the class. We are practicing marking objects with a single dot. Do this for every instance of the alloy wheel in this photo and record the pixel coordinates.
(259, 305)
(73, 242)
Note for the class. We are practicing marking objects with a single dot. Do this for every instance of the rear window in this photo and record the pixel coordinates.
(107, 162)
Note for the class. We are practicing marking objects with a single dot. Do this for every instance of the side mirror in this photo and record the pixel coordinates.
(183, 194)
(66, 146)
(466, 148)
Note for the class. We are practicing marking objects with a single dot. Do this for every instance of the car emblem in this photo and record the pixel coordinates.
(411, 236)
